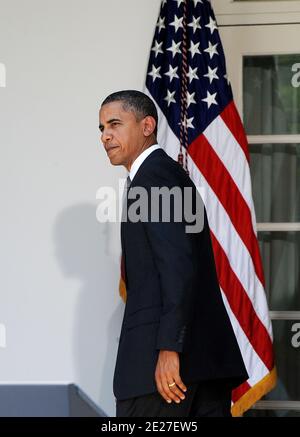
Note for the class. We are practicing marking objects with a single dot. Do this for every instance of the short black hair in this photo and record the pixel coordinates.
(137, 102)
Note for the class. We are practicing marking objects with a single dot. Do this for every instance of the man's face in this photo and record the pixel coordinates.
(121, 134)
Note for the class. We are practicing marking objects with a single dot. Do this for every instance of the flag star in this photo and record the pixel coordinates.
(210, 99)
(155, 73)
(188, 122)
(227, 78)
(170, 97)
(211, 74)
(174, 48)
(179, 2)
(195, 24)
(212, 25)
(194, 49)
(177, 23)
(212, 50)
(192, 74)
(172, 73)
(157, 48)
(161, 24)
(190, 98)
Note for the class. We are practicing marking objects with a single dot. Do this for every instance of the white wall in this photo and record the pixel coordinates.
(59, 268)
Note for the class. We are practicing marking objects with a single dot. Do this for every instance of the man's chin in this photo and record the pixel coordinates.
(115, 161)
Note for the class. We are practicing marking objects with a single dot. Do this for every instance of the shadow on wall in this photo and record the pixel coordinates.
(89, 250)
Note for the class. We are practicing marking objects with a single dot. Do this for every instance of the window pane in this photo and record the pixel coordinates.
(275, 171)
(271, 94)
(281, 260)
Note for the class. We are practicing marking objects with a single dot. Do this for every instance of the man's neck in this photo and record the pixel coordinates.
(139, 152)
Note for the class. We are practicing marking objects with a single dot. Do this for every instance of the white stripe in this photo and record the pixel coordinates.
(257, 372)
(233, 157)
(221, 225)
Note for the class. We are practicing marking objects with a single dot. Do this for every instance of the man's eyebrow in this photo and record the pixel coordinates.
(112, 120)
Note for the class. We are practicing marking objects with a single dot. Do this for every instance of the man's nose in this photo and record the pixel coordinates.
(106, 136)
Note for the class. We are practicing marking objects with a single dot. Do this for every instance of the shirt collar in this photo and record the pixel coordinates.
(140, 159)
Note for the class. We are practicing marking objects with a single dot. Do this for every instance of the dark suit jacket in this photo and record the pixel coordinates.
(173, 297)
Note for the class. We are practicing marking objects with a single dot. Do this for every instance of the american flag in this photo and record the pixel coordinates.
(199, 125)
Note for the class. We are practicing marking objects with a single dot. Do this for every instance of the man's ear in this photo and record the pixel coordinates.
(149, 125)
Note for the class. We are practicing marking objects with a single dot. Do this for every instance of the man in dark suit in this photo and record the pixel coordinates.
(178, 355)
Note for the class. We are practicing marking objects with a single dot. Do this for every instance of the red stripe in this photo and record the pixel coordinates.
(238, 392)
(233, 121)
(242, 307)
(229, 195)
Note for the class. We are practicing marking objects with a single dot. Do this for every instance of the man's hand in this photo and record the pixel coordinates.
(166, 373)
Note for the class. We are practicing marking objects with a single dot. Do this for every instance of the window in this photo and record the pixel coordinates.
(271, 106)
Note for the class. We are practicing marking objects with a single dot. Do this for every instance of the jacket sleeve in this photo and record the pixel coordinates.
(172, 249)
